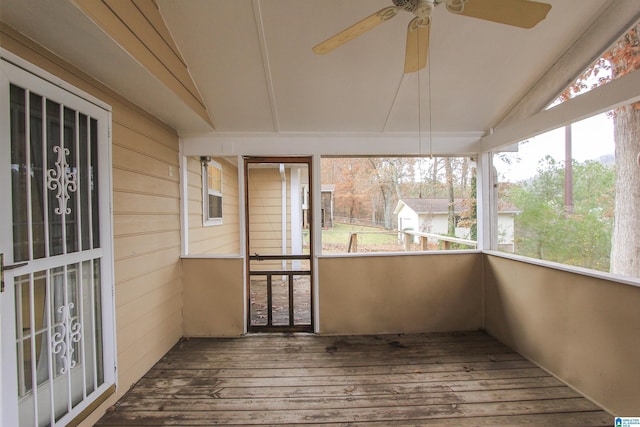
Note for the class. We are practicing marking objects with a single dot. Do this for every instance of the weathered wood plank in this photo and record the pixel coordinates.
(436, 397)
(176, 368)
(351, 415)
(143, 392)
(347, 380)
(356, 372)
(332, 351)
(308, 342)
(437, 379)
(333, 348)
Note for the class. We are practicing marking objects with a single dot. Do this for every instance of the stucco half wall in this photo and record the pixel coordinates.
(585, 330)
(213, 297)
(373, 294)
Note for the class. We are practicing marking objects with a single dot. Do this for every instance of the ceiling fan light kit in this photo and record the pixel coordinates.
(517, 13)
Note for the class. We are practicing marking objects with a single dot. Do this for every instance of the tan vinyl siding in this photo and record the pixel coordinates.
(142, 33)
(128, 224)
(265, 210)
(149, 9)
(146, 219)
(220, 239)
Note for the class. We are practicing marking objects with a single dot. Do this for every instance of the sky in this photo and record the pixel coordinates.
(592, 138)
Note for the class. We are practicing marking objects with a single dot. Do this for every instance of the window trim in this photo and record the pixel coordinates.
(208, 221)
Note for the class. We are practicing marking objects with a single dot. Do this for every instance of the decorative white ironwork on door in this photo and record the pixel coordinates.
(62, 180)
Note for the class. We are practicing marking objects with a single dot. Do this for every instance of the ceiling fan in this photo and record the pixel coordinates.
(518, 13)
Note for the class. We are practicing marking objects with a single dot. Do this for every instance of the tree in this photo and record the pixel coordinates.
(625, 57)
(451, 217)
(370, 188)
(621, 59)
(546, 231)
(350, 196)
(473, 208)
(387, 176)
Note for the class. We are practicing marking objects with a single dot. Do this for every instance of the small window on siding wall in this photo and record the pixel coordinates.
(211, 192)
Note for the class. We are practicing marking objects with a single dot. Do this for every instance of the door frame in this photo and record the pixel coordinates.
(306, 160)
(14, 69)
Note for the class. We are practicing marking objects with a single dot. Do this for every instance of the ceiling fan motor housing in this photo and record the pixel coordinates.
(421, 8)
(408, 5)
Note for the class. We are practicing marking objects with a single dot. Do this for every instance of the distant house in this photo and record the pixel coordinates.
(326, 205)
(326, 209)
(431, 216)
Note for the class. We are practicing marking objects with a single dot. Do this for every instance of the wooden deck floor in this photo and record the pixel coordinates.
(458, 379)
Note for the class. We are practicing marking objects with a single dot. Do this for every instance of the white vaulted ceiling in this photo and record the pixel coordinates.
(252, 63)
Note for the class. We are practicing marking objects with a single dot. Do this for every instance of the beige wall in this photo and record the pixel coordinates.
(213, 297)
(222, 239)
(358, 295)
(400, 293)
(146, 222)
(584, 330)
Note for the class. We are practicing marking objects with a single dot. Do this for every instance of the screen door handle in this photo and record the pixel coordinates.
(4, 268)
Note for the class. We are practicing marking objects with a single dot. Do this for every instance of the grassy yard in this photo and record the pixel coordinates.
(370, 239)
(339, 234)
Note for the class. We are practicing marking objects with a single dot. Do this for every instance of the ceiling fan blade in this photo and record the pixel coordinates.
(356, 29)
(417, 48)
(519, 13)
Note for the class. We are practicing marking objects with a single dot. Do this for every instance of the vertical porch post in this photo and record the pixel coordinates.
(487, 202)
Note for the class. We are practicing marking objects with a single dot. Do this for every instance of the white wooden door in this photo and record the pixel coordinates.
(57, 300)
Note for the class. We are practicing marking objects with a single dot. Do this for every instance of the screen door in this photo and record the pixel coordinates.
(279, 242)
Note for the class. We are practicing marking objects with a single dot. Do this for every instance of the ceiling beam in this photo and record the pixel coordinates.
(622, 91)
(614, 21)
(264, 51)
(288, 144)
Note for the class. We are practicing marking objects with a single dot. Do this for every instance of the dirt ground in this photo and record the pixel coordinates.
(280, 294)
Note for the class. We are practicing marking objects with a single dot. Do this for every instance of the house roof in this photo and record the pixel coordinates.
(441, 206)
(253, 68)
(431, 206)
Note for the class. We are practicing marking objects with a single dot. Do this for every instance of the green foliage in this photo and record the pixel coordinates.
(473, 210)
(546, 229)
